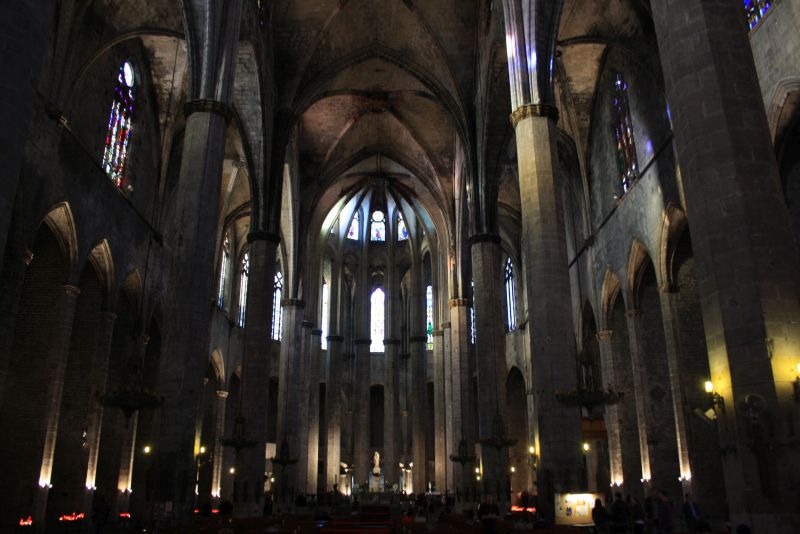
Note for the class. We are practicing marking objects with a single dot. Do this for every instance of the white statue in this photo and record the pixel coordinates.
(376, 463)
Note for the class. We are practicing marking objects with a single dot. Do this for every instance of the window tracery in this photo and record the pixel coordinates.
(377, 226)
(225, 258)
(277, 310)
(119, 130)
(352, 232)
(402, 230)
(511, 296)
(429, 315)
(326, 295)
(627, 163)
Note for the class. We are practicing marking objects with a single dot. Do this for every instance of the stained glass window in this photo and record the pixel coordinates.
(402, 231)
(244, 277)
(472, 329)
(377, 226)
(223, 269)
(376, 320)
(755, 9)
(277, 311)
(352, 233)
(326, 295)
(623, 135)
(118, 135)
(511, 297)
(429, 315)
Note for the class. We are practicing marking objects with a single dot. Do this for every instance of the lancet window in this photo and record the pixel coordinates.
(244, 277)
(511, 296)
(277, 311)
(377, 226)
(627, 163)
(352, 232)
(118, 134)
(402, 231)
(429, 315)
(225, 258)
(377, 316)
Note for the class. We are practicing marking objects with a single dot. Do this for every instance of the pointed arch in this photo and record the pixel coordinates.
(675, 222)
(611, 288)
(218, 363)
(103, 263)
(61, 222)
(637, 260)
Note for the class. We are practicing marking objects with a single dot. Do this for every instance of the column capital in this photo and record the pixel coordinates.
(72, 291)
(334, 339)
(418, 339)
(455, 303)
(208, 106)
(260, 235)
(446, 325)
(668, 287)
(633, 312)
(438, 333)
(362, 341)
(307, 324)
(316, 332)
(222, 394)
(533, 110)
(391, 341)
(484, 238)
(293, 302)
(604, 335)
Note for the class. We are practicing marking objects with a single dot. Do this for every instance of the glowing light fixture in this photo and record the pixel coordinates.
(147, 449)
(796, 385)
(717, 402)
(586, 446)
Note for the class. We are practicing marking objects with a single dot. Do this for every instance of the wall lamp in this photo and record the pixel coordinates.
(716, 399)
(796, 385)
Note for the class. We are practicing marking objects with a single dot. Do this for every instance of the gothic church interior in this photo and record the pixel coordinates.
(355, 249)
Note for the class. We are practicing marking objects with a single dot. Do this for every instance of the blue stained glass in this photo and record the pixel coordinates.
(623, 135)
(755, 10)
(377, 227)
(402, 231)
(120, 125)
(429, 315)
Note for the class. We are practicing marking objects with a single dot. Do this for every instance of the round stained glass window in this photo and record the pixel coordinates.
(127, 72)
(377, 216)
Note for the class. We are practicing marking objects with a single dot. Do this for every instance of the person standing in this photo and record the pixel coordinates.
(620, 515)
(600, 517)
(691, 513)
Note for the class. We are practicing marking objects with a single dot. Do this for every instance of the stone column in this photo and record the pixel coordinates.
(669, 313)
(59, 334)
(612, 418)
(547, 286)
(125, 482)
(333, 407)
(305, 380)
(254, 386)
(746, 261)
(458, 375)
(97, 383)
(418, 410)
(362, 455)
(219, 451)
(313, 410)
(639, 384)
(440, 436)
(391, 447)
(289, 400)
(26, 30)
(492, 407)
(13, 271)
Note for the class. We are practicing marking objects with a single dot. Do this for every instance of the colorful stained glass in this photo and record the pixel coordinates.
(402, 231)
(120, 125)
(225, 257)
(755, 9)
(377, 226)
(244, 278)
(429, 315)
(511, 297)
(352, 232)
(627, 163)
(376, 321)
(277, 311)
